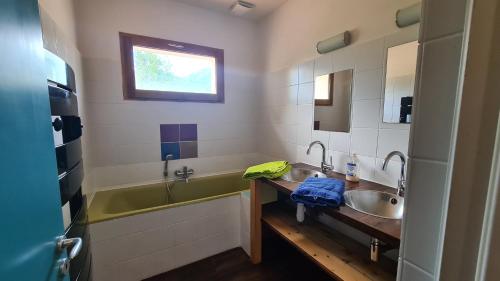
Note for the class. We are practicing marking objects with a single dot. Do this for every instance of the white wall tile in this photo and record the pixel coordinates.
(292, 75)
(390, 175)
(306, 72)
(140, 246)
(367, 61)
(340, 160)
(184, 232)
(322, 136)
(413, 273)
(340, 142)
(323, 65)
(313, 158)
(305, 114)
(306, 93)
(369, 55)
(443, 17)
(343, 59)
(304, 134)
(292, 94)
(366, 167)
(127, 247)
(367, 84)
(365, 113)
(422, 228)
(364, 141)
(391, 140)
(437, 95)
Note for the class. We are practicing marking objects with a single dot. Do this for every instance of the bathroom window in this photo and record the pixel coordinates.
(159, 69)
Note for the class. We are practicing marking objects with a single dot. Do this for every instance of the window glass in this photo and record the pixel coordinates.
(169, 71)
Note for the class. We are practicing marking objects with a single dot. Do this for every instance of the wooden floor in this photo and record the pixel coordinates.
(280, 263)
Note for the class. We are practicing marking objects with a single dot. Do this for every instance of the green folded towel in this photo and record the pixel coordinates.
(270, 170)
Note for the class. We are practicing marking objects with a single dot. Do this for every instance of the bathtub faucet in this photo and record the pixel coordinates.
(184, 173)
(165, 168)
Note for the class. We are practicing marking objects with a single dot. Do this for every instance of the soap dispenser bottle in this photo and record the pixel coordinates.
(352, 169)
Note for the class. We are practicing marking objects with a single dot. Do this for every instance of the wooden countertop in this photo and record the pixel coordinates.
(387, 230)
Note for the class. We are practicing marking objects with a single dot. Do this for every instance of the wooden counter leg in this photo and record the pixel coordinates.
(255, 222)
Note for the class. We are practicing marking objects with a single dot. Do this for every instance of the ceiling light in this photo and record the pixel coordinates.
(241, 7)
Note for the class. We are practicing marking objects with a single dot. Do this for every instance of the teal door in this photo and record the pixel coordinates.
(30, 212)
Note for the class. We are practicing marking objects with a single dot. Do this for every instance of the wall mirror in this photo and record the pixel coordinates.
(399, 83)
(332, 101)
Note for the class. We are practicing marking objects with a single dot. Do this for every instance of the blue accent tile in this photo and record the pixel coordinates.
(170, 148)
(189, 149)
(189, 132)
(169, 132)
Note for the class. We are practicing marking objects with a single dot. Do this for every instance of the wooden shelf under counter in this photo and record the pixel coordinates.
(339, 256)
(386, 230)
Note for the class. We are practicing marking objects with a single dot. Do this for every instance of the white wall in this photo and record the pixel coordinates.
(437, 96)
(63, 14)
(288, 109)
(291, 32)
(125, 135)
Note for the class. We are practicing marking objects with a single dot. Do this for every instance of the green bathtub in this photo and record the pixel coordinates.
(117, 203)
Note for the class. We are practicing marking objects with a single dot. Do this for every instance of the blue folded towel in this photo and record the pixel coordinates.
(323, 192)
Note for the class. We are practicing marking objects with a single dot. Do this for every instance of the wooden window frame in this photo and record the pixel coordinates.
(128, 41)
(329, 101)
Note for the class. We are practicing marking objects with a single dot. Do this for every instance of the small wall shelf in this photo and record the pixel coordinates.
(340, 256)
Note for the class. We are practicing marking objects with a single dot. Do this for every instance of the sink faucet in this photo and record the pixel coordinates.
(402, 179)
(184, 173)
(325, 167)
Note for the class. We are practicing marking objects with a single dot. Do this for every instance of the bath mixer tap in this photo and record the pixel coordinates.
(325, 167)
(402, 178)
(165, 168)
(184, 173)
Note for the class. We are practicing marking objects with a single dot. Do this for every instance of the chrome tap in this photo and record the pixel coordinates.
(325, 167)
(402, 179)
(165, 168)
(184, 173)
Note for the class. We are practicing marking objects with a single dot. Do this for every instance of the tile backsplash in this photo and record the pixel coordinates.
(179, 140)
(288, 112)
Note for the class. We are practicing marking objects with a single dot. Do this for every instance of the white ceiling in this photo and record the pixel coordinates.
(263, 7)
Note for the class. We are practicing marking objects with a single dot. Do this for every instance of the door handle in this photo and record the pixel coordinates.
(63, 243)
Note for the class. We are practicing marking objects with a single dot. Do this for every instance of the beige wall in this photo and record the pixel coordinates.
(62, 12)
(125, 135)
(291, 32)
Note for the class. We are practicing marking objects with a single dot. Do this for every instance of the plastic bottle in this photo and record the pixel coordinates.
(352, 169)
(301, 210)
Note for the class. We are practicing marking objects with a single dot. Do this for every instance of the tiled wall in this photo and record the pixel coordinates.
(124, 147)
(288, 111)
(140, 246)
(437, 89)
(179, 140)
